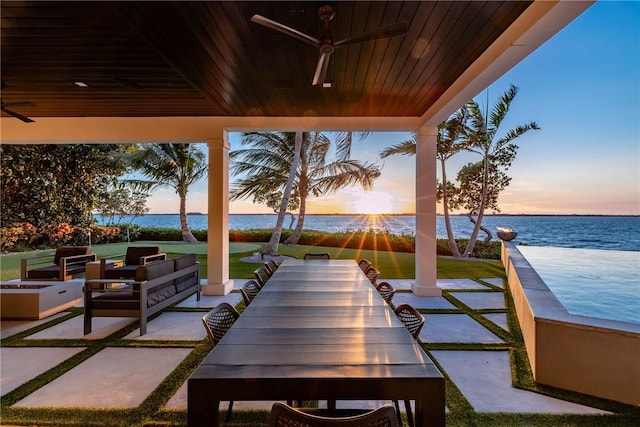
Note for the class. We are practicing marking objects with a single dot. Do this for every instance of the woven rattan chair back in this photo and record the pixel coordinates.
(386, 290)
(218, 321)
(249, 291)
(311, 256)
(364, 264)
(372, 274)
(262, 275)
(411, 318)
(285, 416)
(271, 265)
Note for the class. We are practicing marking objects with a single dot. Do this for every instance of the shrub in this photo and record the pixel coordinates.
(105, 233)
(18, 234)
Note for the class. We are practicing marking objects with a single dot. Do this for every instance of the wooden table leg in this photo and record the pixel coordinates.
(201, 411)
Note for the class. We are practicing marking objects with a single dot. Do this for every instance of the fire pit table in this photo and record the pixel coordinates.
(37, 300)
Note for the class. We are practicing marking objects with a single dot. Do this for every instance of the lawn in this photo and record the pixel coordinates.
(392, 265)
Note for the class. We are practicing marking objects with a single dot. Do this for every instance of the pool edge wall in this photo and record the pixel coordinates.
(587, 355)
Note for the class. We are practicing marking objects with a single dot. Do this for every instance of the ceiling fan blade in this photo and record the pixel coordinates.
(321, 69)
(259, 19)
(380, 33)
(18, 115)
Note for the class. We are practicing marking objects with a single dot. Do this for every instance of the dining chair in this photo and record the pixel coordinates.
(249, 291)
(271, 265)
(364, 264)
(413, 320)
(262, 275)
(285, 416)
(217, 322)
(372, 274)
(310, 256)
(386, 290)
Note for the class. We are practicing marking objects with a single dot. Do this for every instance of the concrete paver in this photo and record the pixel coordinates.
(463, 284)
(73, 328)
(459, 328)
(495, 281)
(13, 327)
(421, 302)
(115, 377)
(208, 301)
(484, 378)
(172, 325)
(480, 300)
(499, 319)
(22, 364)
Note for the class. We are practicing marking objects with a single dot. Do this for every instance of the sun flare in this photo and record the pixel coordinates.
(373, 202)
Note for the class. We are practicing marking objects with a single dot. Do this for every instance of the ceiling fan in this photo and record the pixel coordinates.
(325, 43)
(5, 108)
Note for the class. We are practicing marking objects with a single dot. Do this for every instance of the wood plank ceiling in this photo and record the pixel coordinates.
(148, 59)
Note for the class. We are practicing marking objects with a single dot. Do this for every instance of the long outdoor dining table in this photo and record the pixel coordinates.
(317, 330)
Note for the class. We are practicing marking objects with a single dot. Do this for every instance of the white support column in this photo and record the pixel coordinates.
(218, 282)
(425, 283)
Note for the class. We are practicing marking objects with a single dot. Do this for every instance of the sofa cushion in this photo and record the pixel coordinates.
(53, 272)
(124, 272)
(122, 299)
(187, 281)
(154, 270)
(135, 252)
(185, 261)
(65, 251)
(160, 293)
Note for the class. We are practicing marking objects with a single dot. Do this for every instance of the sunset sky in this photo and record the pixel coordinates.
(582, 88)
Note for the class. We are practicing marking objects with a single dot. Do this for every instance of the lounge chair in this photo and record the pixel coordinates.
(135, 256)
(68, 261)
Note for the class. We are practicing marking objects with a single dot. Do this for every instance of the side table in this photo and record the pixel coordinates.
(93, 269)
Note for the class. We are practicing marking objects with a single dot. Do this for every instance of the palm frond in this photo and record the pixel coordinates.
(407, 148)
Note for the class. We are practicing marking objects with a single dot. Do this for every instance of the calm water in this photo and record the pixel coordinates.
(594, 232)
(590, 282)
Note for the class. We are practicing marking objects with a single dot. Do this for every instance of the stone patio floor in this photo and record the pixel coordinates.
(122, 377)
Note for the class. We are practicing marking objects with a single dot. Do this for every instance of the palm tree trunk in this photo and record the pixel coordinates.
(272, 247)
(483, 203)
(295, 236)
(447, 221)
(187, 236)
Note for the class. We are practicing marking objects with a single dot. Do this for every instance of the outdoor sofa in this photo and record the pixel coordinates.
(68, 261)
(155, 287)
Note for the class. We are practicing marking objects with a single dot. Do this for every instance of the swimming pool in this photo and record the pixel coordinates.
(590, 282)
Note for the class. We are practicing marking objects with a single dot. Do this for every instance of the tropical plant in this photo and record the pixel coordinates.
(268, 163)
(175, 165)
(272, 247)
(469, 192)
(450, 140)
(121, 199)
(496, 153)
(55, 183)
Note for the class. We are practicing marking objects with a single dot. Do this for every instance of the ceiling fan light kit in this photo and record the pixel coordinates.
(325, 44)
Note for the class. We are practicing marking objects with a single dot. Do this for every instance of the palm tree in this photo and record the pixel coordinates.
(174, 165)
(495, 153)
(450, 140)
(272, 248)
(318, 177)
(267, 166)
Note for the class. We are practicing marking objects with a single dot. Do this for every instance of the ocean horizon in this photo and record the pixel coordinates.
(614, 232)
